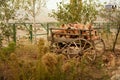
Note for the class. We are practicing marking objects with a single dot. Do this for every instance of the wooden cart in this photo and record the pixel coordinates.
(76, 42)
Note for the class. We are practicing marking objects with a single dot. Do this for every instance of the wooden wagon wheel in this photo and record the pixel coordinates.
(99, 47)
(71, 50)
(57, 47)
(81, 48)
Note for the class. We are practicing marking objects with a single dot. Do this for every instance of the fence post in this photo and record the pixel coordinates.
(47, 29)
(14, 33)
(0, 40)
(31, 34)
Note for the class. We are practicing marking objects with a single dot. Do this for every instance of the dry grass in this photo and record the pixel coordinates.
(35, 62)
(50, 62)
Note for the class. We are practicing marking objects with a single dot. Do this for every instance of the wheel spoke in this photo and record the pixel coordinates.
(84, 46)
(88, 49)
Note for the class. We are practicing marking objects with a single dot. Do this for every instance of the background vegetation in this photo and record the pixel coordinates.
(77, 11)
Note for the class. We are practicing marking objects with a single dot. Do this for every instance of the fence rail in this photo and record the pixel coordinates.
(46, 26)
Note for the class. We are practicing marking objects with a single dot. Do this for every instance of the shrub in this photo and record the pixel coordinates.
(35, 62)
(6, 51)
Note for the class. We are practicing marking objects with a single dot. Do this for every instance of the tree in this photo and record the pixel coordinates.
(8, 9)
(113, 15)
(2, 3)
(32, 8)
(76, 11)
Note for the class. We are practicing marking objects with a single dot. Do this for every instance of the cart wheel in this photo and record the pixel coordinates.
(66, 53)
(81, 48)
(87, 50)
(99, 47)
(57, 47)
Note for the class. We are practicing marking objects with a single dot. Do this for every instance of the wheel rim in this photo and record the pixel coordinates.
(99, 47)
(88, 50)
(81, 47)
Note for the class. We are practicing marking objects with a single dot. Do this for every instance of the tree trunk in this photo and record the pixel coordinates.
(34, 22)
(114, 44)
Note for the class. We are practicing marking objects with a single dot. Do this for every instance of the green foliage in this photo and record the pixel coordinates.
(1, 38)
(8, 12)
(81, 11)
(5, 52)
(6, 31)
(33, 7)
(12, 9)
(2, 3)
(9, 9)
(9, 49)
